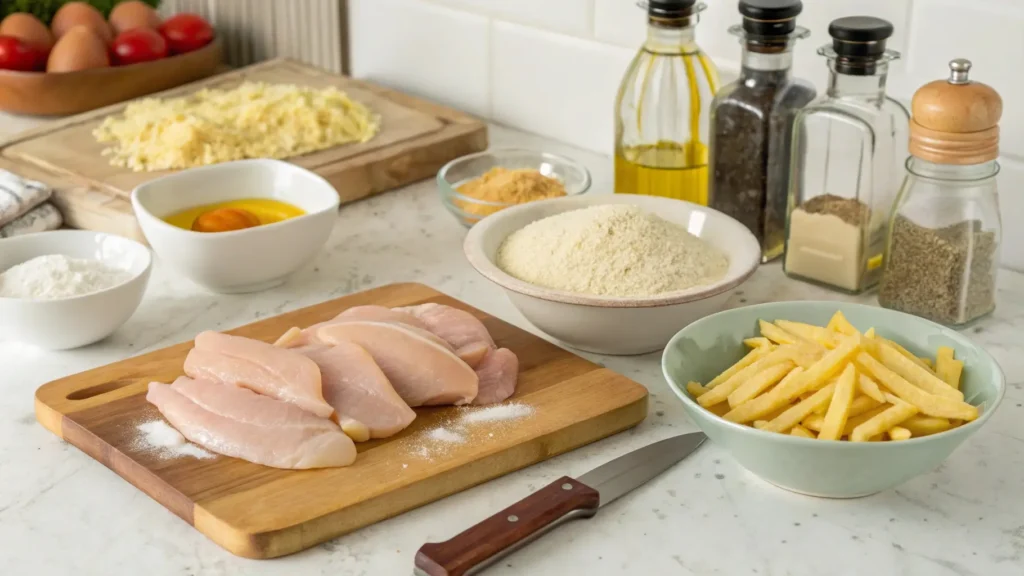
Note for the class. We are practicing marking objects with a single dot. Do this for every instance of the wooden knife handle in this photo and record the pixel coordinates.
(509, 529)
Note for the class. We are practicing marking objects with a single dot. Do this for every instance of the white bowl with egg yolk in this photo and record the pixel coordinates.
(609, 325)
(246, 260)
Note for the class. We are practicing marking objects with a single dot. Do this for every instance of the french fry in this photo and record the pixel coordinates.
(695, 389)
(947, 368)
(814, 422)
(759, 424)
(794, 415)
(839, 407)
(809, 332)
(899, 433)
(921, 425)
(928, 363)
(719, 409)
(757, 342)
(862, 404)
(954, 422)
(778, 335)
(882, 422)
(721, 392)
(870, 333)
(855, 421)
(761, 382)
(922, 362)
(911, 372)
(929, 404)
(840, 324)
(869, 388)
(799, 430)
(751, 357)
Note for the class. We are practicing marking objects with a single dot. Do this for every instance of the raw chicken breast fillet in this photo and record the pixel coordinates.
(270, 370)
(364, 400)
(423, 372)
(236, 422)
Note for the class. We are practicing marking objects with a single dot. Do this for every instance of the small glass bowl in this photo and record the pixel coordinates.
(469, 211)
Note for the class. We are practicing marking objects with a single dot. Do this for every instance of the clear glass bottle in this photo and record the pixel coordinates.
(662, 108)
(752, 123)
(942, 253)
(847, 162)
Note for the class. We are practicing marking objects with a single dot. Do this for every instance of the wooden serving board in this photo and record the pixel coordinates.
(261, 512)
(415, 140)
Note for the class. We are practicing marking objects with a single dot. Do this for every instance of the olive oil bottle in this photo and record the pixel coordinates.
(662, 109)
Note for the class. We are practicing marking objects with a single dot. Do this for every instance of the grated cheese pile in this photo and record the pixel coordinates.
(254, 120)
(611, 250)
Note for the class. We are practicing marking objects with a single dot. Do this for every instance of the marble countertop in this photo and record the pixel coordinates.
(63, 513)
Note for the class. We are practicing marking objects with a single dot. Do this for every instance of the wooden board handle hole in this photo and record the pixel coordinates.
(93, 391)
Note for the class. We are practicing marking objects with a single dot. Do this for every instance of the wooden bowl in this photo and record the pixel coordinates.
(47, 93)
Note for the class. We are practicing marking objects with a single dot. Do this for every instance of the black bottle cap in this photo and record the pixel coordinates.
(859, 36)
(670, 8)
(770, 17)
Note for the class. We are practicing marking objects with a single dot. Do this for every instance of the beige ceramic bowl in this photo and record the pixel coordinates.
(616, 325)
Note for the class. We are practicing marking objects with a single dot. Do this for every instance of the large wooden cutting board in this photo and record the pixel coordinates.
(261, 512)
(416, 139)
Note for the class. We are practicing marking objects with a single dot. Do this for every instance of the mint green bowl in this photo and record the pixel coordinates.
(830, 469)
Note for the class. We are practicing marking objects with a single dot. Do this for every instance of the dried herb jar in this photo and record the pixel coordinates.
(848, 151)
(752, 120)
(942, 251)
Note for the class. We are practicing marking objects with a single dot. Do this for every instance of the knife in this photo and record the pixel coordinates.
(564, 499)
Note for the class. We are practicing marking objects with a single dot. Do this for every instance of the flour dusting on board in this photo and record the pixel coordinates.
(464, 425)
(496, 413)
(158, 436)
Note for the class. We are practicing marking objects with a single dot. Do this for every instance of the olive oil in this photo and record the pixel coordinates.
(666, 169)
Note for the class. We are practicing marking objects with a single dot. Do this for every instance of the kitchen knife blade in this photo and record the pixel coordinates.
(564, 499)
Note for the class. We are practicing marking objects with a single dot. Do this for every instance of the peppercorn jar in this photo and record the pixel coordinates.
(752, 123)
(942, 253)
(848, 151)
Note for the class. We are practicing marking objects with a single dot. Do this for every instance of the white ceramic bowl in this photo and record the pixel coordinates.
(73, 322)
(616, 325)
(246, 260)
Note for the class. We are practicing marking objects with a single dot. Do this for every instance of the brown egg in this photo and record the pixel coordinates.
(78, 49)
(224, 220)
(134, 14)
(28, 29)
(80, 14)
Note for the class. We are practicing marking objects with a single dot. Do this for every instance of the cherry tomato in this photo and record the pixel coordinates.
(138, 45)
(16, 54)
(186, 32)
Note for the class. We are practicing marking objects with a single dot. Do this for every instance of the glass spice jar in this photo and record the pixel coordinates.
(941, 258)
(847, 163)
(661, 110)
(752, 123)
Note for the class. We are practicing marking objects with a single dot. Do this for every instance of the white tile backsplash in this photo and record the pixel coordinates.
(553, 66)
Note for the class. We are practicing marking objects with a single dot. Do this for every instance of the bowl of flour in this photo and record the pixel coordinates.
(613, 274)
(69, 288)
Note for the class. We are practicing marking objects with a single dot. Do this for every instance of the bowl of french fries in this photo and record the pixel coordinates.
(832, 399)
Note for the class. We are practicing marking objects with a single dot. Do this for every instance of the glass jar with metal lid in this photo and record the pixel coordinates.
(752, 123)
(847, 163)
(942, 254)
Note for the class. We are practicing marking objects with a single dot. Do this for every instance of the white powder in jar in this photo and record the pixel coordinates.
(611, 250)
(56, 276)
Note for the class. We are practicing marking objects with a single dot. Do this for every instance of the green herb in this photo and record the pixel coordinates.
(45, 9)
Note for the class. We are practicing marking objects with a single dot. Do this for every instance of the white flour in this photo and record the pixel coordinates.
(56, 276)
(496, 413)
(446, 435)
(611, 250)
(157, 435)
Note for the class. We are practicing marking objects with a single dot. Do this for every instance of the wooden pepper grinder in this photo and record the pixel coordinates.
(943, 243)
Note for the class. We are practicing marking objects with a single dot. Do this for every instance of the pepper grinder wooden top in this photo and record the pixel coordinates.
(956, 120)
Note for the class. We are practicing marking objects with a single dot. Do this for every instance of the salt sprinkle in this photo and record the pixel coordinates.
(446, 435)
(497, 412)
(157, 435)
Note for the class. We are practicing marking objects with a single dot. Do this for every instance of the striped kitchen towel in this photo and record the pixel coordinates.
(42, 218)
(18, 196)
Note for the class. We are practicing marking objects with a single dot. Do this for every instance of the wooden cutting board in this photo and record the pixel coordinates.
(416, 138)
(261, 512)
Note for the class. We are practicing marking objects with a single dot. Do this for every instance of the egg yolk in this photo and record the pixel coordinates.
(234, 215)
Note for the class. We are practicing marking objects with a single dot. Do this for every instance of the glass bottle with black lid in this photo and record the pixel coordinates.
(847, 163)
(751, 123)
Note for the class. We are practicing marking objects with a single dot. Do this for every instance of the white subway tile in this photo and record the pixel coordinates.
(556, 85)
(620, 22)
(429, 50)
(574, 17)
(1011, 206)
(988, 32)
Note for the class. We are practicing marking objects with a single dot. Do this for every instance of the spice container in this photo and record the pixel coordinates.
(752, 123)
(941, 258)
(662, 108)
(848, 151)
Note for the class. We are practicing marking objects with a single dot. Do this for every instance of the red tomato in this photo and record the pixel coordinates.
(138, 45)
(16, 54)
(186, 32)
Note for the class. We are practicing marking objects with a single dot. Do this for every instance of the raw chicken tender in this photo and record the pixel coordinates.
(498, 374)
